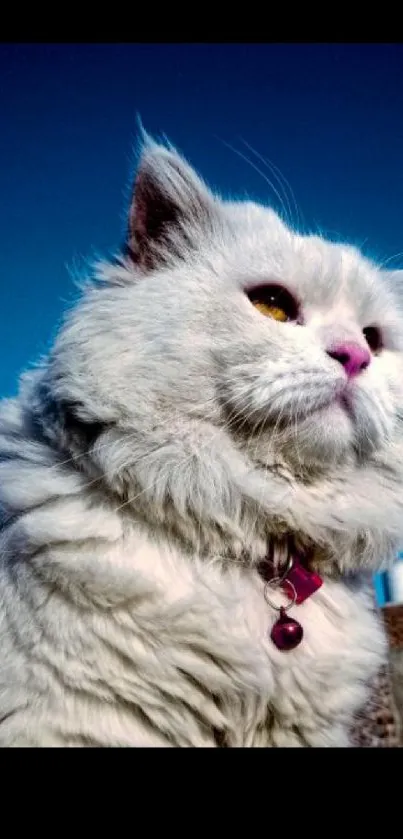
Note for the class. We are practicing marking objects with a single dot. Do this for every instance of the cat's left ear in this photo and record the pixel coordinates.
(171, 208)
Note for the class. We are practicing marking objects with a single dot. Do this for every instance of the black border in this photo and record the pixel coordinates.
(191, 23)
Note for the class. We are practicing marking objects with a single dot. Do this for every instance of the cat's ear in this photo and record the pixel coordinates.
(170, 208)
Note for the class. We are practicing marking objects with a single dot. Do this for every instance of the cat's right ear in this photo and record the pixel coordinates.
(171, 208)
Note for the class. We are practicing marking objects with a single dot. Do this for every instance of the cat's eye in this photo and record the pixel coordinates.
(274, 301)
(373, 337)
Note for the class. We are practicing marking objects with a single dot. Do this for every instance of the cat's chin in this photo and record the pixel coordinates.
(322, 439)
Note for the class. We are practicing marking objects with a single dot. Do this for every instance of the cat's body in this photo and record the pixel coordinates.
(173, 436)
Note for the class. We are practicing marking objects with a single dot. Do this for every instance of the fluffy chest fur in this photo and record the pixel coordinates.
(140, 645)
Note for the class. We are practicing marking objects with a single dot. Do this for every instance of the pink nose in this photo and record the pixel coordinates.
(353, 357)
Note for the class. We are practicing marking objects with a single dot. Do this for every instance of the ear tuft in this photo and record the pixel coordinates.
(170, 206)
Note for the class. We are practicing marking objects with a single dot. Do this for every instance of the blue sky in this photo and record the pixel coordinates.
(330, 116)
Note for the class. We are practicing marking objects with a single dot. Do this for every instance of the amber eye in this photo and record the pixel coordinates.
(373, 337)
(274, 302)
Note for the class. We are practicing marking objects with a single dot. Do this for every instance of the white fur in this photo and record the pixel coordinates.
(170, 437)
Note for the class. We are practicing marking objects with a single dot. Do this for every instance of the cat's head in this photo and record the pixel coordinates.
(221, 324)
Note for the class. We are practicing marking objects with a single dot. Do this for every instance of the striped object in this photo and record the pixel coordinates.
(389, 584)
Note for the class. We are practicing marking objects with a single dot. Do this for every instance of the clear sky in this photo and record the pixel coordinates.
(330, 116)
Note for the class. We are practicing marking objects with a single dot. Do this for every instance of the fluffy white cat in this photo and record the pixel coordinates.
(225, 392)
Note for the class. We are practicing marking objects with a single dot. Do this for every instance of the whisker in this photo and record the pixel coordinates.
(265, 178)
(281, 180)
(390, 259)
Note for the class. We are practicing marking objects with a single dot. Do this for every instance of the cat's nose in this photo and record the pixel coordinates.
(352, 356)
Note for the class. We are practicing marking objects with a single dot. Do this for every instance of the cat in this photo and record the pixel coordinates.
(227, 393)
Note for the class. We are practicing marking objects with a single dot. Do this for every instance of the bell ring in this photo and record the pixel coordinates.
(276, 582)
